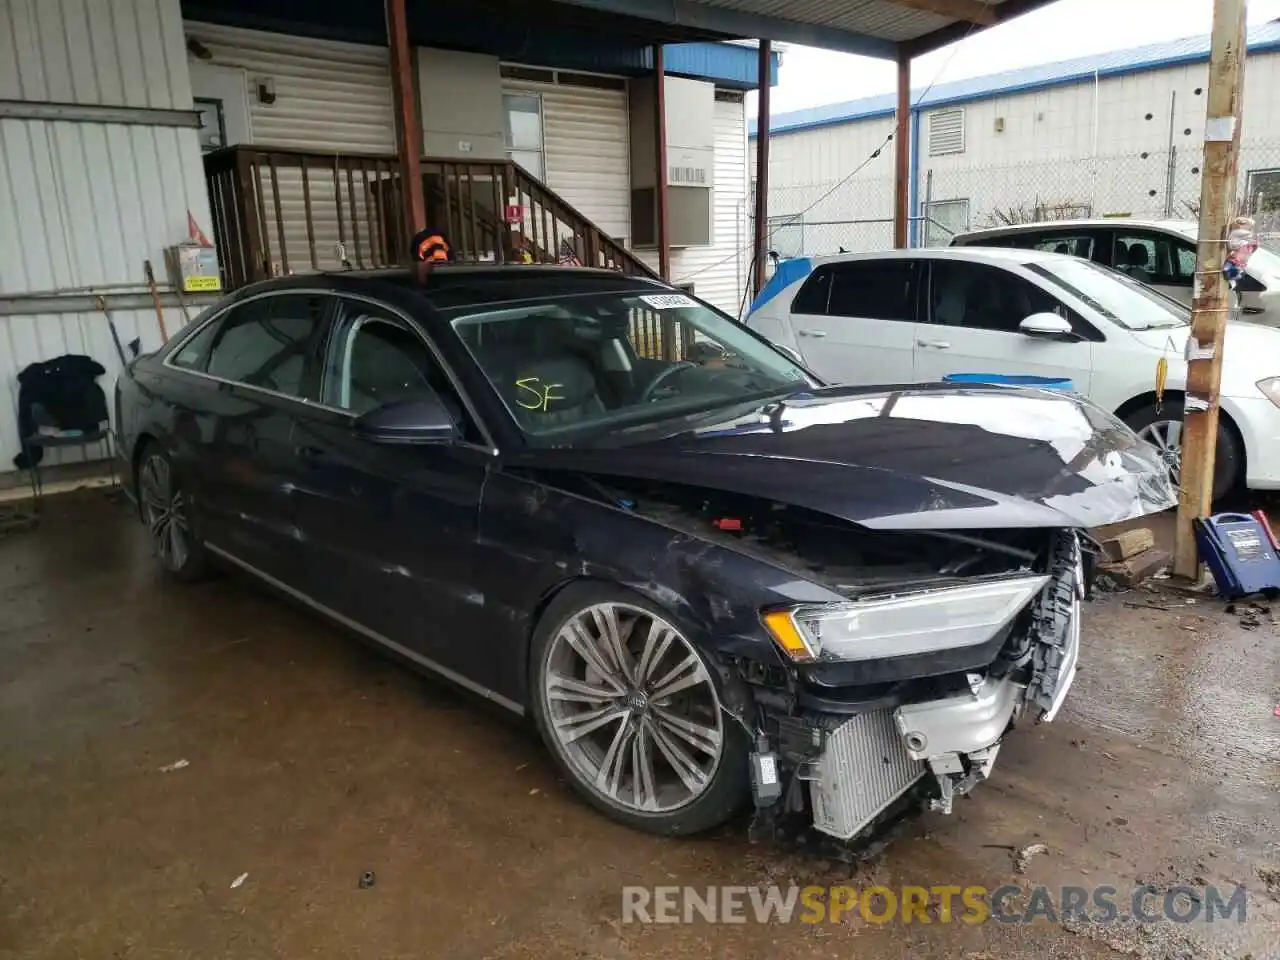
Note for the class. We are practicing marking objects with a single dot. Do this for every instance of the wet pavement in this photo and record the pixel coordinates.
(310, 760)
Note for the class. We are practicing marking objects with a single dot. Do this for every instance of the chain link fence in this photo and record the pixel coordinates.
(856, 216)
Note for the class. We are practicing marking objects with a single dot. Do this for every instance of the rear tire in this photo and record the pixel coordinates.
(648, 743)
(1163, 430)
(166, 511)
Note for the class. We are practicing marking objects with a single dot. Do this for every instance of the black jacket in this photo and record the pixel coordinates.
(64, 391)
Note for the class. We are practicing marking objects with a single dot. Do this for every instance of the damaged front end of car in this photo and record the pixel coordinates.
(897, 659)
(871, 720)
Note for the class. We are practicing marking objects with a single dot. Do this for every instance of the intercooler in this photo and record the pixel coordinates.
(864, 768)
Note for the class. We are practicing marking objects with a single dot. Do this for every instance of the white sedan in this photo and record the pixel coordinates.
(916, 315)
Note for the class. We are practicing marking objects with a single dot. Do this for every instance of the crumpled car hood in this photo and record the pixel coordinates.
(924, 456)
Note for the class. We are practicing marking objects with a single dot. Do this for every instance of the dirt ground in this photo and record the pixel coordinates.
(311, 759)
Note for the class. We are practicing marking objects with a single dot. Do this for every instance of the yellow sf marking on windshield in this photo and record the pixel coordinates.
(541, 395)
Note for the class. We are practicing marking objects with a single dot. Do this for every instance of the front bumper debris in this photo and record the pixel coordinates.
(868, 762)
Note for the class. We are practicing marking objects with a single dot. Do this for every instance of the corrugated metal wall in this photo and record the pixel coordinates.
(86, 203)
(330, 97)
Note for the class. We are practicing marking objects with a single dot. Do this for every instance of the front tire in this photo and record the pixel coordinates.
(1163, 430)
(632, 714)
(166, 511)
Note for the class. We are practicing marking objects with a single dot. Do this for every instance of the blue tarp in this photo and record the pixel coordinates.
(788, 272)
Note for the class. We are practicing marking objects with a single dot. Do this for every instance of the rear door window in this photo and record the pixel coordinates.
(873, 289)
(267, 343)
(813, 296)
(1076, 243)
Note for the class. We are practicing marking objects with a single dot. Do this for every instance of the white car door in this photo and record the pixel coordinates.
(974, 312)
(854, 321)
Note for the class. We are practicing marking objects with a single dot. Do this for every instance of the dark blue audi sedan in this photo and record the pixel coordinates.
(707, 577)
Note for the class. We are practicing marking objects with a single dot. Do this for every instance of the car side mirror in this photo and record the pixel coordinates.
(1048, 326)
(416, 421)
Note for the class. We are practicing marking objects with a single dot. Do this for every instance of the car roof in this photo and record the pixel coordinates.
(445, 286)
(1002, 256)
(1174, 226)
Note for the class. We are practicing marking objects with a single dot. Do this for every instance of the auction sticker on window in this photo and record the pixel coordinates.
(668, 301)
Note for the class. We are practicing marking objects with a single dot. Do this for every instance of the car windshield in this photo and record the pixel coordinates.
(1117, 297)
(576, 365)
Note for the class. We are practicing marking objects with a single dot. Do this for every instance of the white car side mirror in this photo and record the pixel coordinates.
(1046, 325)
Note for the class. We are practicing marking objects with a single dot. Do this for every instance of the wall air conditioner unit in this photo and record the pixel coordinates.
(690, 161)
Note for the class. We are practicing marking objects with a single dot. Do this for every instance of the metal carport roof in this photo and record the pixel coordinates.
(878, 28)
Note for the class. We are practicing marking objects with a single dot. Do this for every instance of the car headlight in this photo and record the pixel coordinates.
(903, 624)
(1270, 388)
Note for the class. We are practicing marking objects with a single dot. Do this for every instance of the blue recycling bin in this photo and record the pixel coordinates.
(1011, 380)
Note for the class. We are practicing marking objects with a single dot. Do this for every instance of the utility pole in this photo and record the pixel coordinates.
(1211, 295)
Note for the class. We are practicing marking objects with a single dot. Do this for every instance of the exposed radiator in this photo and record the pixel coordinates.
(864, 768)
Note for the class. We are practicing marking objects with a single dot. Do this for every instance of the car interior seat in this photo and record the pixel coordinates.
(543, 371)
(1138, 262)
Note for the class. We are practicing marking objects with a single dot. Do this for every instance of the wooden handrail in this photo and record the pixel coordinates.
(286, 210)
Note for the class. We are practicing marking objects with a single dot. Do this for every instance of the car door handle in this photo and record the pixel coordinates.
(812, 333)
(308, 453)
(935, 344)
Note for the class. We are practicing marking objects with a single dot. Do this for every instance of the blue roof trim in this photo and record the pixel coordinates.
(1154, 56)
(728, 64)
(787, 273)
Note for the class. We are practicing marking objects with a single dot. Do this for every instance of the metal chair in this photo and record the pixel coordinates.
(43, 442)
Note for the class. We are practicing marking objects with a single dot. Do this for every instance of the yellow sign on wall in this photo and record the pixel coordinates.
(197, 268)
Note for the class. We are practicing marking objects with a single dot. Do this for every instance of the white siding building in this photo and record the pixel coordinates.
(1115, 134)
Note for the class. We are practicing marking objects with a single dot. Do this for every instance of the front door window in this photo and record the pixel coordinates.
(522, 130)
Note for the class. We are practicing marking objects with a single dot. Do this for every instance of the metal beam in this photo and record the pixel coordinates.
(97, 113)
(737, 24)
(660, 152)
(408, 127)
(1003, 13)
(970, 11)
(20, 305)
(902, 155)
(762, 171)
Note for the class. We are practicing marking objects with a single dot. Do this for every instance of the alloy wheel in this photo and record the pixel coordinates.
(165, 509)
(1166, 437)
(632, 708)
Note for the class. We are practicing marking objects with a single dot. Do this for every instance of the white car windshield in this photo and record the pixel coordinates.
(1117, 297)
(577, 364)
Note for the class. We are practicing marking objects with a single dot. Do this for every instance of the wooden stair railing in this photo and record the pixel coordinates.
(279, 211)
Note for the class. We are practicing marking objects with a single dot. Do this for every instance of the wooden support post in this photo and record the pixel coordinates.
(902, 153)
(762, 169)
(408, 127)
(1211, 294)
(660, 150)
